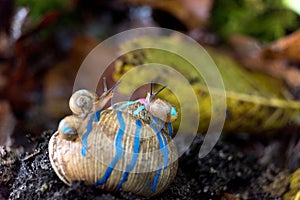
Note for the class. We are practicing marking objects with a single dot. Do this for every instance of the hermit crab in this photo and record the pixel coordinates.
(126, 147)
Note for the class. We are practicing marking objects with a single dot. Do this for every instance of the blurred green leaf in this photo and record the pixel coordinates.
(266, 20)
(255, 102)
(39, 8)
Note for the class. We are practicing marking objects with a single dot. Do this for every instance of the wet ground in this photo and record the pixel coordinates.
(225, 173)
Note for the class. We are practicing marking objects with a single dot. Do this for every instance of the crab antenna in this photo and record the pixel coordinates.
(104, 84)
(158, 91)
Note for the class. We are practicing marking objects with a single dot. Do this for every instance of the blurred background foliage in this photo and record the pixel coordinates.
(40, 55)
(266, 20)
(40, 66)
(39, 8)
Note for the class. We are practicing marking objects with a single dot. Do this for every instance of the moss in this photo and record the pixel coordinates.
(266, 20)
(39, 8)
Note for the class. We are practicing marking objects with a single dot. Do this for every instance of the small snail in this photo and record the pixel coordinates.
(127, 146)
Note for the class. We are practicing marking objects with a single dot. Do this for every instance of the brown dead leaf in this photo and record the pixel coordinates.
(287, 48)
(253, 56)
(3, 79)
(229, 196)
(4, 45)
(192, 13)
(7, 123)
(59, 80)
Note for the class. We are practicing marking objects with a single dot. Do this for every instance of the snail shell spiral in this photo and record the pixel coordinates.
(162, 110)
(68, 127)
(121, 148)
(82, 101)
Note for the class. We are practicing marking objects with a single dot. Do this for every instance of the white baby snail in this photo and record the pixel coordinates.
(83, 102)
(68, 127)
(160, 108)
(122, 148)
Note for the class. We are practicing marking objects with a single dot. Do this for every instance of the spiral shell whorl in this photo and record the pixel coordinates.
(70, 165)
(82, 101)
(68, 127)
(124, 147)
(162, 110)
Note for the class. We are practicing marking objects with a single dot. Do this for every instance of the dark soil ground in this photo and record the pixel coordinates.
(225, 173)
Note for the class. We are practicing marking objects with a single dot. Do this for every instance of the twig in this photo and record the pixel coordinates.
(31, 155)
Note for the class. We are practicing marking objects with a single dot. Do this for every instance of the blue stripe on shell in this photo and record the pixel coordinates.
(159, 125)
(136, 148)
(119, 151)
(170, 129)
(126, 104)
(97, 116)
(164, 150)
(162, 143)
(153, 187)
(66, 129)
(94, 117)
(136, 112)
(139, 109)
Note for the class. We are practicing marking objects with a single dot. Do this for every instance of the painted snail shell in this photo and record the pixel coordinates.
(124, 147)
